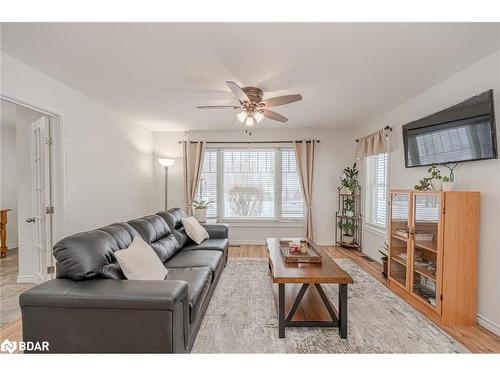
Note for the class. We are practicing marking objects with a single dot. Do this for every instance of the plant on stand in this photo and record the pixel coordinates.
(349, 179)
(349, 206)
(385, 258)
(348, 230)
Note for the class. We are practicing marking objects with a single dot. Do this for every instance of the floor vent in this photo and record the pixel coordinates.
(366, 257)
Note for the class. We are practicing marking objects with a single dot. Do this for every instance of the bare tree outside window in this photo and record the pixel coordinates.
(246, 200)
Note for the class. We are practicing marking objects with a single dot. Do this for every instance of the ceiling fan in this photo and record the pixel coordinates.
(252, 109)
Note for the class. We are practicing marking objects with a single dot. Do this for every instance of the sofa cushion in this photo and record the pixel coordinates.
(221, 244)
(173, 218)
(196, 258)
(198, 280)
(83, 255)
(155, 231)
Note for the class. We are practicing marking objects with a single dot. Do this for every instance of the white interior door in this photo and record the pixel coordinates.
(41, 196)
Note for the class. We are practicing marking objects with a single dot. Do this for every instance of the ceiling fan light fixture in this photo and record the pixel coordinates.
(259, 117)
(250, 121)
(241, 116)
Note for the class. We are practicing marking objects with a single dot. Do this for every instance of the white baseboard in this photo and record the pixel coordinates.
(488, 324)
(11, 246)
(25, 279)
(246, 242)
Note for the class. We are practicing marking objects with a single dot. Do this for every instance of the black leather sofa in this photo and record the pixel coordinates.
(92, 308)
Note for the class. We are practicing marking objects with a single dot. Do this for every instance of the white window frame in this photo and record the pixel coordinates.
(278, 191)
(375, 227)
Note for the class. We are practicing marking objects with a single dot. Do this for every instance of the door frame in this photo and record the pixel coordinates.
(58, 222)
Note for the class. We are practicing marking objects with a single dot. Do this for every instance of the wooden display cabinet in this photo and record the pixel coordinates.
(433, 252)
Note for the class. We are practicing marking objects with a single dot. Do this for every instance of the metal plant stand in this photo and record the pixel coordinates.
(348, 219)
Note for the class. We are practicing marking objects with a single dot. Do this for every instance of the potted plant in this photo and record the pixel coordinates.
(348, 229)
(385, 258)
(349, 179)
(434, 181)
(200, 210)
(349, 206)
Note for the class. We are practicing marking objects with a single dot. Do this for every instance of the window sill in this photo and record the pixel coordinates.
(260, 223)
(376, 230)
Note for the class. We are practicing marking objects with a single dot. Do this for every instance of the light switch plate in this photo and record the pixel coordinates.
(73, 187)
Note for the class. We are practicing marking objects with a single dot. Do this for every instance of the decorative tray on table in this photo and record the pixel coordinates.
(307, 255)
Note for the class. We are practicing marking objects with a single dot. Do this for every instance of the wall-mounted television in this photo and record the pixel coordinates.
(464, 132)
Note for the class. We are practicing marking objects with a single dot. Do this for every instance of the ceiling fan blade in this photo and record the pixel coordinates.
(274, 116)
(237, 91)
(281, 100)
(218, 106)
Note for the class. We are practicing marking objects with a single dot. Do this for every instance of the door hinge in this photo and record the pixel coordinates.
(441, 297)
(444, 210)
(51, 269)
(49, 141)
(49, 210)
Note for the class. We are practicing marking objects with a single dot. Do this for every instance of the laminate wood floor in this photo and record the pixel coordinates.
(475, 338)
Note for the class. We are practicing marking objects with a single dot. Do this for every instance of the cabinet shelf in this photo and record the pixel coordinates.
(424, 272)
(399, 260)
(427, 245)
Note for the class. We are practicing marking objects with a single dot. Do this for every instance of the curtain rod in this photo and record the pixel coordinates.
(261, 142)
(387, 127)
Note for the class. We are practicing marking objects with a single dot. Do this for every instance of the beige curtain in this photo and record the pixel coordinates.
(305, 155)
(193, 153)
(372, 144)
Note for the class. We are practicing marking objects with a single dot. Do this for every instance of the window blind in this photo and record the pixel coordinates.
(376, 190)
(292, 204)
(207, 189)
(251, 183)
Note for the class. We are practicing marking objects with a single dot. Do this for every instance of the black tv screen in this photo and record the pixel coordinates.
(464, 132)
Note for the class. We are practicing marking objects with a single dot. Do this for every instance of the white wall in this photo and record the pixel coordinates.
(335, 151)
(483, 176)
(8, 177)
(107, 156)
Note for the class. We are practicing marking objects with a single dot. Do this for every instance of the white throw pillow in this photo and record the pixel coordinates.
(194, 229)
(140, 262)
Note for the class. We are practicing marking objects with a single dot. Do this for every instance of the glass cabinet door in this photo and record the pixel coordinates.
(399, 237)
(426, 243)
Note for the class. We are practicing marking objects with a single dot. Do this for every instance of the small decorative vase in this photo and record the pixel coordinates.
(200, 214)
(436, 185)
(448, 186)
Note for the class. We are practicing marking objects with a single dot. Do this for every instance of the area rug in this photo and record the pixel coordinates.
(241, 318)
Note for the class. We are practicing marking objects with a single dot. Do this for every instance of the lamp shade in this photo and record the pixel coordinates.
(166, 162)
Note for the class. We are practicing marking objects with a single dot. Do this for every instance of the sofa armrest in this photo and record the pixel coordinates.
(217, 230)
(106, 294)
(108, 316)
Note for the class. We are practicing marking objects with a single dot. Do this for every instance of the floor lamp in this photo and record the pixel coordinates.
(166, 163)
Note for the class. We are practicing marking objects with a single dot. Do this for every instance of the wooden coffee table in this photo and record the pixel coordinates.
(316, 310)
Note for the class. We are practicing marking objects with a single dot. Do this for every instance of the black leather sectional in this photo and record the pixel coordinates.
(92, 308)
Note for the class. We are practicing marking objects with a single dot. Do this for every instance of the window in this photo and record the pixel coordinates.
(207, 189)
(376, 190)
(251, 183)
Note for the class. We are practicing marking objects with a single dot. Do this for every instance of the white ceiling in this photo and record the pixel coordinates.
(156, 74)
